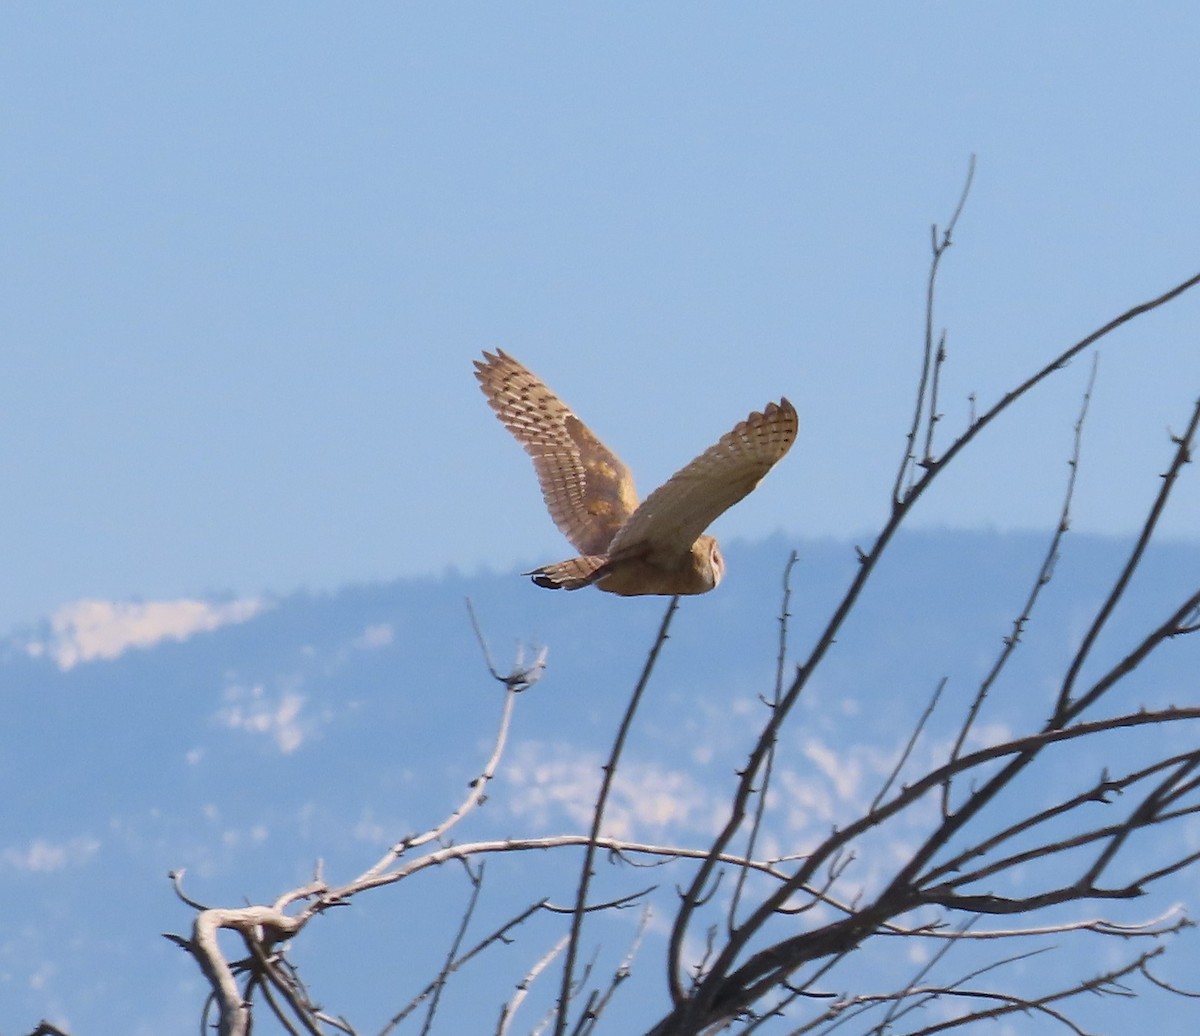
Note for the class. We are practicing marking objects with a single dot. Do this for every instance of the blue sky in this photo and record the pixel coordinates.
(248, 254)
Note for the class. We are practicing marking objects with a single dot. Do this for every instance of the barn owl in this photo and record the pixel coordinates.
(627, 548)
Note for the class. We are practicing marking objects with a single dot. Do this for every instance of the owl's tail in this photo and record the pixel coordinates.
(570, 575)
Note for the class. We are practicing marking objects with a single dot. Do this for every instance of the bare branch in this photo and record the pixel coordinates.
(474, 797)
(1044, 575)
(443, 975)
(521, 677)
(771, 947)
(908, 747)
(940, 246)
(1169, 922)
(610, 770)
(620, 974)
(1066, 708)
(254, 924)
(698, 1006)
(1108, 983)
(1155, 980)
(769, 765)
(501, 934)
(509, 1010)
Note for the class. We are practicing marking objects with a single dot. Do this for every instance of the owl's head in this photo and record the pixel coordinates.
(711, 563)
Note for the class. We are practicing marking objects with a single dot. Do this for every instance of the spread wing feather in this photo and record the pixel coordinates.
(671, 518)
(588, 491)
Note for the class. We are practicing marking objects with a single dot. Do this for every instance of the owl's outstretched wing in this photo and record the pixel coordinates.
(588, 491)
(671, 518)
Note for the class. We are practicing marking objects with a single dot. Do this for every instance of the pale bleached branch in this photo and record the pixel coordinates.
(509, 1010)
(475, 796)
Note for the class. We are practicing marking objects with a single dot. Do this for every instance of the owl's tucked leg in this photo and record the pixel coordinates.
(570, 575)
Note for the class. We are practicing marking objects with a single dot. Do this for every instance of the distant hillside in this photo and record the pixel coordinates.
(245, 740)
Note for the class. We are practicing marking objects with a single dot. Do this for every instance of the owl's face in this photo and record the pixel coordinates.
(712, 564)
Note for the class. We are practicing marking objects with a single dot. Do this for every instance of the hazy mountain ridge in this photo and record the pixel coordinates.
(327, 725)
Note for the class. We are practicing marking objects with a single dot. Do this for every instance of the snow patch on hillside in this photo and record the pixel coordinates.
(91, 630)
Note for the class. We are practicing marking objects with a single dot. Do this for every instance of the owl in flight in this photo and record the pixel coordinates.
(627, 548)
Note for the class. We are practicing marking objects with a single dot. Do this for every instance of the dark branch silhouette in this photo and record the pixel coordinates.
(759, 944)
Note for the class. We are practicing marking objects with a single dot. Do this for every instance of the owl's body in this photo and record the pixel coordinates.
(695, 572)
(657, 547)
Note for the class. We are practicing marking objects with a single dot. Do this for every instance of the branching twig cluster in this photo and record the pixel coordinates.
(265, 930)
(773, 948)
(741, 973)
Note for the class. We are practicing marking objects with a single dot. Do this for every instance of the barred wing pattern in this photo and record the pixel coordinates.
(672, 517)
(587, 489)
